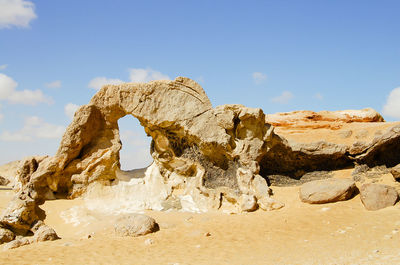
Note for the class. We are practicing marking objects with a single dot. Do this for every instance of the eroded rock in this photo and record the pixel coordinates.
(205, 158)
(377, 196)
(6, 235)
(135, 225)
(328, 190)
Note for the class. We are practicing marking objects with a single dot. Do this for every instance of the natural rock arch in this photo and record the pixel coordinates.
(213, 155)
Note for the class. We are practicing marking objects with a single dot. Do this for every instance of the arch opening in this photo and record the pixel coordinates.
(135, 152)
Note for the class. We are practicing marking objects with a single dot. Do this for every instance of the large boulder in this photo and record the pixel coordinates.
(378, 196)
(327, 190)
(135, 225)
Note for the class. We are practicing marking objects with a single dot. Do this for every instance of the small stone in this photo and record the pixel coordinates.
(149, 242)
(207, 234)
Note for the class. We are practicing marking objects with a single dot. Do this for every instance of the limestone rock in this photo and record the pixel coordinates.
(248, 203)
(6, 235)
(377, 196)
(42, 232)
(18, 242)
(203, 156)
(396, 172)
(4, 181)
(328, 190)
(135, 225)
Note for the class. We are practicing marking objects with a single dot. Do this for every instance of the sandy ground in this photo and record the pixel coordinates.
(299, 233)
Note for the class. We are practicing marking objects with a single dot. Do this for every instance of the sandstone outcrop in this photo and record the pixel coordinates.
(135, 225)
(377, 196)
(205, 158)
(327, 190)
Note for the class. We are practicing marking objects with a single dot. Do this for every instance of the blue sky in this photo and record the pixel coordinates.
(276, 55)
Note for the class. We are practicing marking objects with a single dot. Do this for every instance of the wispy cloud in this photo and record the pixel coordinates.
(18, 13)
(284, 98)
(54, 84)
(70, 110)
(34, 127)
(137, 75)
(319, 96)
(98, 82)
(3, 66)
(259, 77)
(9, 93)
(140, 75)
(392, 105)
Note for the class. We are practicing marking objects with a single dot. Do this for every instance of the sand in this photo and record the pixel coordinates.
(299, 233)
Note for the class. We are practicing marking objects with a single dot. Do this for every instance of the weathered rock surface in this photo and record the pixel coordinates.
(377, 196)
(135, 225)
(205, 158)
(4, 181)
(327, 190)
(42, 232)
(6, 235)
(396, 172)
(18, 242)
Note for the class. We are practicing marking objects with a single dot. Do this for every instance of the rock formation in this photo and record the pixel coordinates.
(215, 158)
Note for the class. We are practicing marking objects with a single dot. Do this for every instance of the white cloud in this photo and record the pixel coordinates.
(259, 77)
(34, 127)
(54, 84)
(392, 105)
(1, 115)
(284, 98)
(3, 66)
(27, 97)
(139, 75)
(70, 110)
(319, 96)
(99, 82)
(17, 13)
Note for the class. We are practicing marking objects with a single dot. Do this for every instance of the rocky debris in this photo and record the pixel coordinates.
(6, 235)
(328, 190)
(248, 203)
(301, 178)
(18, 242)
(270, 204)
(135, 225)
(4, 181)
(363, 172)
(377, 196)
(396, 172)
(42, 232)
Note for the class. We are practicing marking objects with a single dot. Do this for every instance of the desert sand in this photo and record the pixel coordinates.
(336, 233)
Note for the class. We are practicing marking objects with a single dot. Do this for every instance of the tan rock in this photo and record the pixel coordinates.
(327, 190)
(18, 242)
(135, 225)
(377, 196)
(6, 235)
(248, 203)
(42, 232)
(203, 156)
